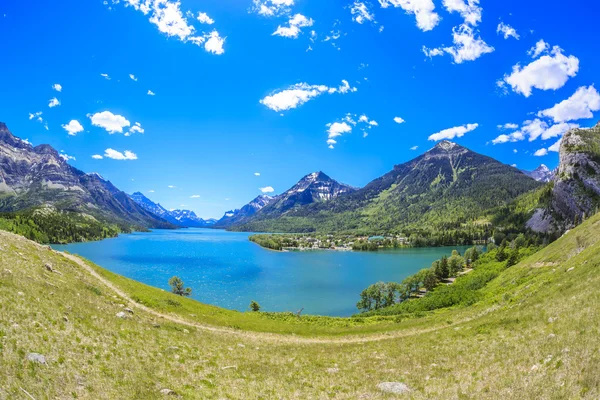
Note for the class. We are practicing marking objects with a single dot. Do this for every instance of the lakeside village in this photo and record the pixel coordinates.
(307, 242)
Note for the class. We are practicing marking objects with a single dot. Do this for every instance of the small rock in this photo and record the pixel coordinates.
(168, 392)
(333, 370)
(121, 314)
(551, 336)
(49, 267)
(21, 293)
(36, 358)
(156, 325)
(551, 320)
(65, 318)
(129, 310)
(534, 368)
(393, 387)
(186, 331)
(570, 269)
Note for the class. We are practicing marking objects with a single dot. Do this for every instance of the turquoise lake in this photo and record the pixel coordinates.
(225, 269)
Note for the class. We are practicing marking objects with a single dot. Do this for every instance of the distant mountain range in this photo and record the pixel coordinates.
(447, 195)
(181, 218)
(541, 174)
(38, 176)
(447, 189)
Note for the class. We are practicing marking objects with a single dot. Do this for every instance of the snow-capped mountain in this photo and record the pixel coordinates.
(541, 174)
(234, 216)
(313, 188)
(184, 218)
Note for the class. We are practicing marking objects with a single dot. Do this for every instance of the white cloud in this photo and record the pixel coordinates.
(293, 29)
(556, 146)
(267, 189)
(66, 157)
(508, 126)
(467, 47)
(105, 76)
(534, 129)
(539, 48)
(414, 148)
(97, 157)
(270, 8)
(541, 153)
(360, 13)
(150, 191)
(549, 72)
(132, 77)
(469, 10)
(117, 155)
(427, 18)
(54, 102)
(558, 130)
(336, 129)
(451, 133)
(205, 19)
(110, 122)
(171, 186)
(215, 43)
(257, 174)
(399, 120)
(507, 31)
(73, 127)
(37, 116)
(151, 93)
(136, 128)
(432, 52)
(579, 106)
(301, 93)
(195, 196)
(170, 20)
(57, 87)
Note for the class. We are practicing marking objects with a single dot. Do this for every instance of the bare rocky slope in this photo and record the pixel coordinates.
(575, 190)
(38, 176)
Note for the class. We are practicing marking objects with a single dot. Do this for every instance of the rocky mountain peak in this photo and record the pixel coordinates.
(445, 148)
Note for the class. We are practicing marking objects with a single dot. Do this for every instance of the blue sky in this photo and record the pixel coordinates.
(278, 87)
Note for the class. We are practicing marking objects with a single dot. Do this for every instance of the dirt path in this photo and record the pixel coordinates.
(282, 338)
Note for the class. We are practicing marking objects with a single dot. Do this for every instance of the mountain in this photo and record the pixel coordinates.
(445, 191)
(31, 177)
(541, 174)
(574, 193)
(236, 216)
(182, 218)
(313, 188)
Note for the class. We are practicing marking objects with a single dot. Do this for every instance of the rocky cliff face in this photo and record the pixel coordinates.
(38, 176)
(575, 190)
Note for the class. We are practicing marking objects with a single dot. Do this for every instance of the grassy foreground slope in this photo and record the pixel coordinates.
(534, 334)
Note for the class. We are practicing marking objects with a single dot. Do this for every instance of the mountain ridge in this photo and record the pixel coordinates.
(181, 218)
(441, 190)
(38, 176)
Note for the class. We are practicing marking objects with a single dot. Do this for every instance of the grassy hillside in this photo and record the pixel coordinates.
(532, 334)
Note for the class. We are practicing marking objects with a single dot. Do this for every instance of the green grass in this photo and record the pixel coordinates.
(533, 333)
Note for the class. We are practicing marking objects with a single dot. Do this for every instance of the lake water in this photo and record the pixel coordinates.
(225, 269)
